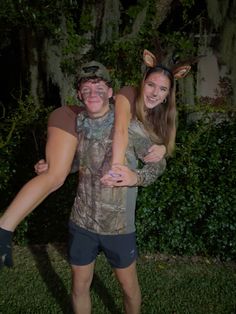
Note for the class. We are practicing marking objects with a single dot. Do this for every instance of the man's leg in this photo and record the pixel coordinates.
(82, 253)
(128, 280)
(82, 277)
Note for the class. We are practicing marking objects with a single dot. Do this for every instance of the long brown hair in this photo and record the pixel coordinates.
(160, 121)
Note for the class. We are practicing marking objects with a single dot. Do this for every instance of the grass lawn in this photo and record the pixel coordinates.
(40, 283)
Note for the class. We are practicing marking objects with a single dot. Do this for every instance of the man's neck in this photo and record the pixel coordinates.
(98, 114)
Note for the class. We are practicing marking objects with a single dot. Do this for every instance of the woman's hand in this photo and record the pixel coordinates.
(155, 153)
(119, 176)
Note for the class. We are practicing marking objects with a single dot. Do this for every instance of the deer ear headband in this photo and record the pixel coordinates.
(179, 70)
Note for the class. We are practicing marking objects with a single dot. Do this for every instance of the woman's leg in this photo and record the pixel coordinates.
(60, 150)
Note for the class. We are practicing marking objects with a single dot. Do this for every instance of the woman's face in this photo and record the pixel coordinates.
(156, 89)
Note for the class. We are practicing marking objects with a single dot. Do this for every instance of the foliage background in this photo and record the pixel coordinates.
(191, 208)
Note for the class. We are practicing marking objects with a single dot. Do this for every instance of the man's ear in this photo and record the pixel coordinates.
(181, 71)
(110, 92)
(79, 94)
(149, 59)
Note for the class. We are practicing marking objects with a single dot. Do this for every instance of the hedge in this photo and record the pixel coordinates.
(189, 210)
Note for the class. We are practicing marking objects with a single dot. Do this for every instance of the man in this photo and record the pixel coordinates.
(102, 218)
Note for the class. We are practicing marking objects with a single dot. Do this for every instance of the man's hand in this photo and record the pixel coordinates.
(6, 248)
(119, 176)
(41, 166)
(155, 153)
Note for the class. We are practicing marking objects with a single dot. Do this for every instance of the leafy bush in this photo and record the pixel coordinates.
(191, 208)
(22, 129)
(49, 222)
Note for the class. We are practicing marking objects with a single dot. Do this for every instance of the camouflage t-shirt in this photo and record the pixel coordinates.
(100, 209)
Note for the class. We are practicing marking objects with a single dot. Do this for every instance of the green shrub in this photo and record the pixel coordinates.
(191, 208)
(49, 222)
(22, 140)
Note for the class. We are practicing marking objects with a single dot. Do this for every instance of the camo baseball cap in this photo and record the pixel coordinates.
(94, 69)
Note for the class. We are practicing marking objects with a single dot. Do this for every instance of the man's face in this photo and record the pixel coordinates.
(95, 96)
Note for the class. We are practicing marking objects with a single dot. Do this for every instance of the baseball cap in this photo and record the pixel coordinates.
(94, 69)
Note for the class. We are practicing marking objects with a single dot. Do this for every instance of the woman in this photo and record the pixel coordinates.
(153, 104)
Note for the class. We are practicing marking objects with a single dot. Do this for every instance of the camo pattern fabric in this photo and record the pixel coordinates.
(100, 209)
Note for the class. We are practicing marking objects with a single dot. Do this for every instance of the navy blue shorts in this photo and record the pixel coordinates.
(84, 246)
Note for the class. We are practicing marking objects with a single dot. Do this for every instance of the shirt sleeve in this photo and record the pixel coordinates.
(150, 172)
(139, 143)
(64, 118)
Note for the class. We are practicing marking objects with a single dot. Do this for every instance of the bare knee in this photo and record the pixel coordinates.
(82, 277)
(131, 290)
(80, 287)
(55, 179)
(128, 280)
(131, 294)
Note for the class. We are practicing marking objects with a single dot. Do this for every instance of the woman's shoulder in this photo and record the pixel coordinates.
(128, 91)
(64, 118)
(65, 111)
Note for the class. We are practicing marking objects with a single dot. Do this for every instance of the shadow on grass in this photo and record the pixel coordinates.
(54, 283)
(56, 286)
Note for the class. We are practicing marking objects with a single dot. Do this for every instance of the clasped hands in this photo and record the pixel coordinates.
(120, 175)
